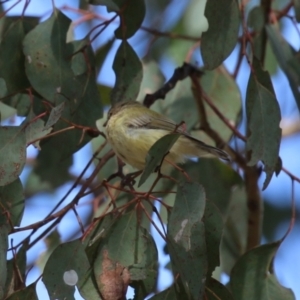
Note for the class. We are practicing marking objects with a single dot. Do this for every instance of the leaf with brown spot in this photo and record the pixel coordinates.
(113, 280)
(12, 153)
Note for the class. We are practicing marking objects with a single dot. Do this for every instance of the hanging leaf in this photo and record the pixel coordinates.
(263, 118)
(11, 56)
(129, 74)
(153, 79)
(16, 271)
(186, 238)
(12, 153)
(131, 15)
(4, 230)
(29, 293)
(157, 153)
(66, 266)
(21, 102)
(214, 290)
(221, 37)
(48, 59)
(256, 18)
(49, 172)
(286, 59)
(234, 239)
(6, 111)
(11, 203)
(34, 130)
(297, 10)
(127, 254)
(217, 178)
(55, 115)
(252, 276)
(213, 223)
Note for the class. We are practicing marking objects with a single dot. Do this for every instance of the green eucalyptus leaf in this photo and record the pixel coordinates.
(153, 79)
(234, 239)
(12, 58)
(34, 129)
(6, 111)
(127, 253)
(131, 15)
(252, 276)
(217, 178)
(286, 60)
(214, 290)
(186, 238)
(157, 153)
(11, 203)
(256, 19)
(28, 293)
(65, 268)
(221, 37)
(22, 103)
(55, 115)
(263, 118)
(12, 153)
(297, 10)
(16, 272)
(129, 73)
(48, 59)
(4, 230)
(225, 95)
(213, 223)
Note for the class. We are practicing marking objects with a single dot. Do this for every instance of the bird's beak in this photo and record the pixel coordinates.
(104, 125)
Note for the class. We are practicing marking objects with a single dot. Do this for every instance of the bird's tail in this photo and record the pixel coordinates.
(217, 152)
(207, 149)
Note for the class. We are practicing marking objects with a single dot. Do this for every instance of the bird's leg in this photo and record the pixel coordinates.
(129, 179)
(181, 125)
(119, 173)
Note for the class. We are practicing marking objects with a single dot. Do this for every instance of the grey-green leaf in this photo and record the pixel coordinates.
(129, 74)
(67, 265)
(218, 42)
(263, 118)
(256, 18)
(16, 272)
(55, 115)
(29, 293)
(48, 58)
(4, 230)
(34, 129)
(130, 248)
(11, 56)
(186, 238)
(252, 276)
(157, 153)
(131, 15)
(11, 203)
(213, 224)
(214, 290)
(297, 9)
(286, 60)
(12, 153)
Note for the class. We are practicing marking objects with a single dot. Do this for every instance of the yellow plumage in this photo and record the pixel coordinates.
(133, 128)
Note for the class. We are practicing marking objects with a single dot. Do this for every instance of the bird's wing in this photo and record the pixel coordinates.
(164, 123)
(160, 122)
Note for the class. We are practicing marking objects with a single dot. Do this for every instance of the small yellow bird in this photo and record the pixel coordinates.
(132, 129)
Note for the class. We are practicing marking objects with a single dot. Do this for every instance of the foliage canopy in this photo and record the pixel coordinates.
(209, 213)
